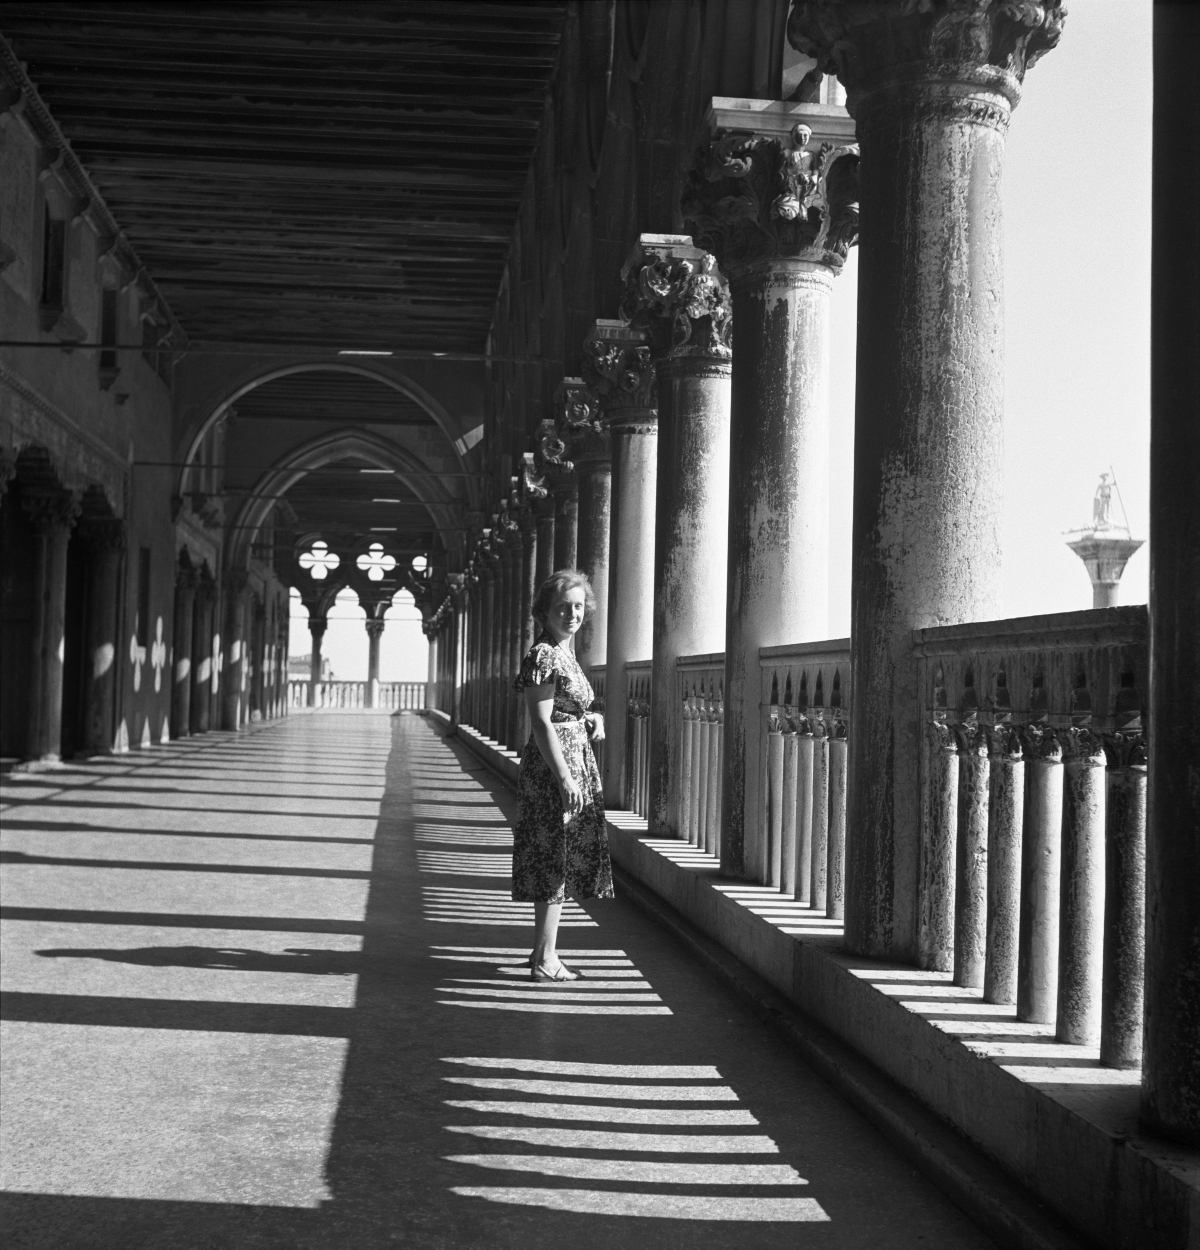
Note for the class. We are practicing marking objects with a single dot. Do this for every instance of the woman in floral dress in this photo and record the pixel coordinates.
(560, 847)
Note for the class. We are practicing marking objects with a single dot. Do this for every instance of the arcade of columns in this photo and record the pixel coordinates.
(721, 453)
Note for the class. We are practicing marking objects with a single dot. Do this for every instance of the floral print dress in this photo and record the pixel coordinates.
(553, 858)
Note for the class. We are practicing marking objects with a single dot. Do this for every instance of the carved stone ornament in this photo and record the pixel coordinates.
(533, 482)
(752, 197)
(677, 295)
(870, 44)
(551, 454)
(579, 423)
(51, 509)
(618, 369)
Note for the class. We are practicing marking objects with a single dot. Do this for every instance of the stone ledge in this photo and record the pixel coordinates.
(505, 763)
(1050, 1115)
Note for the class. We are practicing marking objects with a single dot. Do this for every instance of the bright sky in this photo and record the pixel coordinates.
(403, 649)
(1077, 316)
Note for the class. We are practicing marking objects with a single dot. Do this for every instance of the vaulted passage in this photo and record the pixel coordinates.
(269, 990)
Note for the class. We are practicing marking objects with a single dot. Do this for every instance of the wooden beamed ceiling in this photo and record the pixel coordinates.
(327, 174)
(319, 395)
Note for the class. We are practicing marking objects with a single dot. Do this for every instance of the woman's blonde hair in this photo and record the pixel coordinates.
(556, 584)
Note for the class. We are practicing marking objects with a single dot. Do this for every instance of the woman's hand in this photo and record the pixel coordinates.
(595, 726)
(572, 796)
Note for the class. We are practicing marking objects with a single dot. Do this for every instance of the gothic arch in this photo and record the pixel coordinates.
(338, 445)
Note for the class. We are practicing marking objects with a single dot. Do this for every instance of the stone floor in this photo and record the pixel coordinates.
(267, 991)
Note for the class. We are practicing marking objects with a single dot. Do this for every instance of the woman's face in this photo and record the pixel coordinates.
(566, 613)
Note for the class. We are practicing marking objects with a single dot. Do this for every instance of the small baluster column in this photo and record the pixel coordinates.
(1041, 851)
(675, 293)
(931, 108)
(971, 864)
(1006, 803)
(618, 370)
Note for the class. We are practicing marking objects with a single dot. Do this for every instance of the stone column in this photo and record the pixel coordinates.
(201, 654)
(794, 162)
(931, 90)
(674, 291)
(317, 624)
(618, 369)
(258, 661)
(588, 445)
(515, 633)
(500, 636)
(1171, 1046)
(233, 685)
(545, 542)
(486, 647)
(374, 634)
(106, 540)
(53, 513)
(186, 579)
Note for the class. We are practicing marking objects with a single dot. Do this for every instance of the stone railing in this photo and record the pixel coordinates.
(330, 695)
(637, 737)
(805, 720)
(701, 692)
(596, 675)
(1033, 776)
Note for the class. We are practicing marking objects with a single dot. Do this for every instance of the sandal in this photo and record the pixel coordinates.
(563, 973)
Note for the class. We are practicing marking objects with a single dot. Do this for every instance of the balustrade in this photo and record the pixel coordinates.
(1034, 816)
(390, 696)
(701, 692)
(637, 737)
(805, 720)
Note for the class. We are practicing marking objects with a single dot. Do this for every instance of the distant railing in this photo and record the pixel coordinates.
(1034, 818)
(805, 722)
(637, 737)
(330, 695)
(700, 691)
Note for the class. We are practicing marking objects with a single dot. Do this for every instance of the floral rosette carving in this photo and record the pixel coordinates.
(682, 303)
(620, 375)
(579, 420)
(753, 197)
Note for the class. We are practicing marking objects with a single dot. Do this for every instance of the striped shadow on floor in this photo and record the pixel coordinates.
(632, 1097)
(459, 905)
(609, 984)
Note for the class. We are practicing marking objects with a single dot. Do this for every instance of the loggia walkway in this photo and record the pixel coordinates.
(267, 991)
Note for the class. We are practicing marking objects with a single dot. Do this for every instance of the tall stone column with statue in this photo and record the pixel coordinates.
(618, 370)
(931, 89)
(773, 195)
(675, 293)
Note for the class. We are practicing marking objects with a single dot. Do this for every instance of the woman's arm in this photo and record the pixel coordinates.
(540, 702)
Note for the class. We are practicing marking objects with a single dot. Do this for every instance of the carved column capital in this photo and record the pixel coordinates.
(774, 182)
(374, 629)
(105, 534)
(50, 509)
(618, 370)
(578, 410)
(880, 50)
(677, 295)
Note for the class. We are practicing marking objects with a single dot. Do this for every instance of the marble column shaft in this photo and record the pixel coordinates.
(233, 679)
(374, 634)
(929, 406)
(593, 555)
(106, 542)
(181, 677)
(53, 513)
(202, 657)
(546, 526)
(1171, 1044)
(519, 581)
